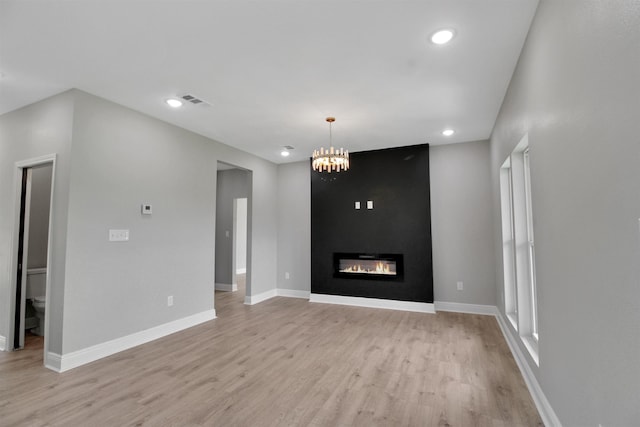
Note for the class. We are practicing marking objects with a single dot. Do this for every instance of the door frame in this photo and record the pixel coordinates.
(234, 244)
(19, 167)
(249, 228)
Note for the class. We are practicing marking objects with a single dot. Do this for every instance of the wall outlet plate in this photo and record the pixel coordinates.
(118, 235)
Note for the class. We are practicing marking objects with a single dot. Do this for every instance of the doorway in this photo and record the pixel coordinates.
(32, 253)
(239, 242)
(233, 235)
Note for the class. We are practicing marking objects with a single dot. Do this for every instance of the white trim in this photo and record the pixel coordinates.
(255, 299)
(3, 343)
(549, 417)
(36, 161)
(53, 361)
(226, 287)
(241, 270)
(293, 293)
(458, 307)
(61, 363)
(420, 307)
(13, 256)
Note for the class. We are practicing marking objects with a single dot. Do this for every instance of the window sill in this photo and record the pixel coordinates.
(513, 319)
(531, 345)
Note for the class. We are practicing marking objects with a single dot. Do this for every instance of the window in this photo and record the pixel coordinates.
(533, 299)
(518, 246)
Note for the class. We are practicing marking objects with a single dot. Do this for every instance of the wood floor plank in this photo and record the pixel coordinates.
(284, 362)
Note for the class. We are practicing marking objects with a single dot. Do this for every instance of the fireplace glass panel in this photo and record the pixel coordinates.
(365, 266)
(368, 266)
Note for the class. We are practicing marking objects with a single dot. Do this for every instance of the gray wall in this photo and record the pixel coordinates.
(39, 215)
(461, 223)
(576, 92)
(232, 184)
(118, 160)
(40, 129)
(294, 226)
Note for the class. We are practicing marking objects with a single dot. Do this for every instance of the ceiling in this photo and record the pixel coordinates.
(273, 70)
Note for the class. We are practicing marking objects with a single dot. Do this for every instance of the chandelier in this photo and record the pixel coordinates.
(331, 159)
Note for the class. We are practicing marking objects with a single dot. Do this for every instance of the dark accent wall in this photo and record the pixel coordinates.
(397, 181)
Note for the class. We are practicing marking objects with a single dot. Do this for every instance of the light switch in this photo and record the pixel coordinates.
(118, 235)
(357, 205)
(369, 204)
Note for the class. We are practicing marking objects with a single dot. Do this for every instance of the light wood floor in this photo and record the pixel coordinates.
(284, 362)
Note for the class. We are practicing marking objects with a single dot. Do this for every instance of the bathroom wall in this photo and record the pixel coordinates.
(39, 216)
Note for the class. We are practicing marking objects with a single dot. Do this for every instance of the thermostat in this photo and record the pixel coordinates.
(146, 209)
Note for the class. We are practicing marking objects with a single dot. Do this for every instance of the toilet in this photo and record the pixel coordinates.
(36, 291)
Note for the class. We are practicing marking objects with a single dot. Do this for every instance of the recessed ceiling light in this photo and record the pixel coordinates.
(448, 132)
(285, 153)
(442, 36)
(175, 103)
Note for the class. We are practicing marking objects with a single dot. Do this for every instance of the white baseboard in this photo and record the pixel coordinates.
(420, 307)
(241, 271)
(3, 343)
(293, 293)
(61, 363)
(53, 361)
(289, 293)
(548, 415)
(226, 287)
(255, 299)
(466, 308)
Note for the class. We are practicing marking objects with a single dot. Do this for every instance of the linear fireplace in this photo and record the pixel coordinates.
(368, 266)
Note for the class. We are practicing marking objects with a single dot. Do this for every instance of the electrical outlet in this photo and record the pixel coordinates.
(287, 276)
(170, 301)
(460, 286)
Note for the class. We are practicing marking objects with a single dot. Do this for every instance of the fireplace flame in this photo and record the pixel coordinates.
(380, 267)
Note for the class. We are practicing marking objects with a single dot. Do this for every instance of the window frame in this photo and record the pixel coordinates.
(518, 246)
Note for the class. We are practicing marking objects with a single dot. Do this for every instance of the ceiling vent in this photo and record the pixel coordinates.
(194, 100)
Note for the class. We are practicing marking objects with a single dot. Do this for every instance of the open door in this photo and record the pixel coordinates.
(21, 267)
